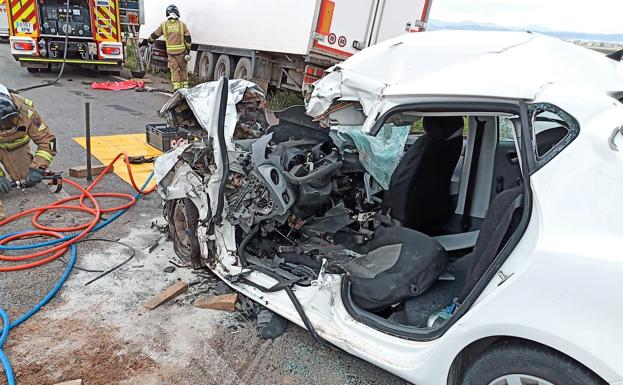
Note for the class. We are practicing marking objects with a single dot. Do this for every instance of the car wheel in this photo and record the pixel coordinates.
(517, 363)
(206, 65)
(223, 67)
(243, 69)
(183, 218)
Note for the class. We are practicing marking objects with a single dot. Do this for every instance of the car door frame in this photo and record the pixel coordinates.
(527, 163)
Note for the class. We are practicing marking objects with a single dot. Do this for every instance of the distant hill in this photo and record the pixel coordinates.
(467, 25)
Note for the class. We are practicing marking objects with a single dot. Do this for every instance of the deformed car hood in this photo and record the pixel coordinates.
(513, 65)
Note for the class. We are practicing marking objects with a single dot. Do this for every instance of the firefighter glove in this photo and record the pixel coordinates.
(5, 185)
(35, 176)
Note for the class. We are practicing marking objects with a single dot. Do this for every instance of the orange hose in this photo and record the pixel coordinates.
(48, 255)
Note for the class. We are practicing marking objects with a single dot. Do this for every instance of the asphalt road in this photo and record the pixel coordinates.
(211, 353)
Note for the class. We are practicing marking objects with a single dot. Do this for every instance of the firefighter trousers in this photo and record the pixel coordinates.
(179, 70)
(16, 162)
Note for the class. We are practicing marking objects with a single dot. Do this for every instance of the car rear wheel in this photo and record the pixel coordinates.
(519, 363)
(183, 218)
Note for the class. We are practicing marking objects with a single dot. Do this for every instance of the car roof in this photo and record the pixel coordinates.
(510, 65)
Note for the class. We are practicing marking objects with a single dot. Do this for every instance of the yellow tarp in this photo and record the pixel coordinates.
(105, 148)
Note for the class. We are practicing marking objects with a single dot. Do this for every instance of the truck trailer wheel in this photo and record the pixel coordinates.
(244, 69)
(223, 67)
(206, 64)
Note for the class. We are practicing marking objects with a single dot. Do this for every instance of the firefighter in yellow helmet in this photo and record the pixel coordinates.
(19, 125)
(177, 37)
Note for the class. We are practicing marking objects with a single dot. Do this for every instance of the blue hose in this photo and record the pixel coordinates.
(7, 325)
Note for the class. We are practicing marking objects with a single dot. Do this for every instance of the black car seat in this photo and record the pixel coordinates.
(419, 191)
(500, 223)
(396, 264)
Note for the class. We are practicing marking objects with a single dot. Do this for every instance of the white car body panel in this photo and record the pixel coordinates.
(563, 277)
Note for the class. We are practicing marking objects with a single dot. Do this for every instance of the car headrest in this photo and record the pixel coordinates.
(442, 127)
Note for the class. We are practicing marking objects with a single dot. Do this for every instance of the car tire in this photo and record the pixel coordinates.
(513, 362)
(206, 64)
(223, 67)
(244, 69)
(183, 218)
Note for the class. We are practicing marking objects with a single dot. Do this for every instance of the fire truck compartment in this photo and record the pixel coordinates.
(57, 20)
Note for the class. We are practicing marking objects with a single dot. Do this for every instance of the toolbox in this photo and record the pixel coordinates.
(161, 136)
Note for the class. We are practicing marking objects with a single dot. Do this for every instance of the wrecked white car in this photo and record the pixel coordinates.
(449, 208)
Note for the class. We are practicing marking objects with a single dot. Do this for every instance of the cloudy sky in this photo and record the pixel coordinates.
(594, 16)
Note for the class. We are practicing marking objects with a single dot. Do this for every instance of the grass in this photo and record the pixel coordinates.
(281, 99)
(130, 60)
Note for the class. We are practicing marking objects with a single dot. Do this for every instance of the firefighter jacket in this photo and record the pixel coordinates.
(14, 148)
(176, 35)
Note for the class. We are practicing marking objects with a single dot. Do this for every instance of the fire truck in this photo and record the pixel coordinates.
(90, 31)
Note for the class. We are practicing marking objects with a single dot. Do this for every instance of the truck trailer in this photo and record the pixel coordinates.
(93, 29)
(281, 43)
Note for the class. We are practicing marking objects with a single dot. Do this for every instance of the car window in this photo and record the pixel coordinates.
(505, 130)
(552, 130)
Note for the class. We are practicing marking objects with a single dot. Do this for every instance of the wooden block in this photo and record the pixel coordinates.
(81, 171)
(225, 302)
(167, 295)
(73, 382)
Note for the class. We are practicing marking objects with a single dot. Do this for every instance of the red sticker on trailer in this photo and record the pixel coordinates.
(332, 38)
(342, 41)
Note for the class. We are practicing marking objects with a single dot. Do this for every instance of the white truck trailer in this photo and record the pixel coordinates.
(4, 21)
(282, 43)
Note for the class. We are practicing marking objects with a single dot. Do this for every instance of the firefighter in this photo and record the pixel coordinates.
(19, 124)
(177, 37)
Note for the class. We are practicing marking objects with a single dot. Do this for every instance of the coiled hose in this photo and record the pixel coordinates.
(61, 244)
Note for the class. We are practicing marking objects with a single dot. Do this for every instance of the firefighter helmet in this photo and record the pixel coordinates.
(9, 114)
(172, 10)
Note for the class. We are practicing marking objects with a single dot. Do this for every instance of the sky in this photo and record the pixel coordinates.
(591, 16)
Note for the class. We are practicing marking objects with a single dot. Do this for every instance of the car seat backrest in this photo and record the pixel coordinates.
(502, 218)
(419, 192)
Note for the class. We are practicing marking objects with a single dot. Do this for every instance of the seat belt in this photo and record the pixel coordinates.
(466, 222)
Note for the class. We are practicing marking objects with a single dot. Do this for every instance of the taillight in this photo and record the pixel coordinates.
(23, 46)
(111, 51)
